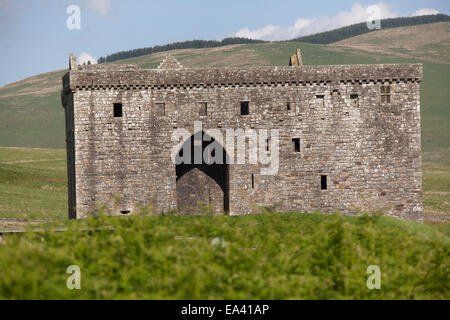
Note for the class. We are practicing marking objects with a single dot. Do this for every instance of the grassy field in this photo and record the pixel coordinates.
(33, 184)
(436, 189)
(267, 256)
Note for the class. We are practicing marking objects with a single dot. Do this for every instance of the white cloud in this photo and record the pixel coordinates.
(10, 11)
(425, 12)
(85, 57)
(304, 26)
(102, 7)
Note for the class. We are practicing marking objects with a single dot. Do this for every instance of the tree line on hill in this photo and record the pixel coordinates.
(191, 44)
(361, 28)
(319, 38)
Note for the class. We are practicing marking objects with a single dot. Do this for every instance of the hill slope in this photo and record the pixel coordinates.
(361, 28)
(31, 114)
(326, 37)
(427, 42)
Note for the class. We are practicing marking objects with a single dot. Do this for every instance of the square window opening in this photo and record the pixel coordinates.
(355, 99)
(320, 100)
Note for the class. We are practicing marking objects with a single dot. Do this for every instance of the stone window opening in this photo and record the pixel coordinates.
(296, 144)
(267, 145)
(323, 182)
(125, 212)
(203, 109)
(385, 94)
(288, 106)
(245, 109)
(355, 100)
(160, 109)
(253, 181)
(320, 98)
(118, 112)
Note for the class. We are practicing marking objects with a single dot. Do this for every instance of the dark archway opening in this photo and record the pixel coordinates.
(202, 186)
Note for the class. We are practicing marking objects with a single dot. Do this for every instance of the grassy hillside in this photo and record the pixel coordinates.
(427, 42)
(31, 114)
(361, 28)
(326, 37)
(268, 256)
(33, 184)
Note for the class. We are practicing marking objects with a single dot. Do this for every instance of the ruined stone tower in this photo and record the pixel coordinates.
(347, 138)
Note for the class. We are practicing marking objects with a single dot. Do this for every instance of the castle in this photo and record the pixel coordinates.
(341, 137)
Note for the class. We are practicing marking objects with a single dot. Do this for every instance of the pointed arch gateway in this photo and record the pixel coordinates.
(202, 184)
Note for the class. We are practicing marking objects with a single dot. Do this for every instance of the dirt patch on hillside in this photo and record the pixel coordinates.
(16, 224)
(29, 161)
(426, 42)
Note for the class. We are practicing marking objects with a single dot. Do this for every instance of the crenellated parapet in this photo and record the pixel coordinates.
(98, 77)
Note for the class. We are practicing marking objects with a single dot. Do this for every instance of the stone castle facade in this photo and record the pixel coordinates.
(348, 138)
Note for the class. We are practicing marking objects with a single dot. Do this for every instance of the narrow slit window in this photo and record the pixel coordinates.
(253, 181)
(203, 109)
(118, 112)
(267, 144)
(385, 94)
(296, 144)
(160, 109)
(288, 106)
(323, 182)
(245, 108)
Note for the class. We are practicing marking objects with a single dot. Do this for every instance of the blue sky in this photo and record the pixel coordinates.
(34, 37)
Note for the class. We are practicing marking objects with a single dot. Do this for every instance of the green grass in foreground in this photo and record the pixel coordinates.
(33, 184)
(267, 256)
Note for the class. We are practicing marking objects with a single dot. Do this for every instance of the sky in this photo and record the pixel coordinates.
(36, 36)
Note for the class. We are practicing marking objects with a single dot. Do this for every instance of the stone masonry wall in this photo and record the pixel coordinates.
(368, 149)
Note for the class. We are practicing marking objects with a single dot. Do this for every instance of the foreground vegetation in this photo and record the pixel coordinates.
(267, 256)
